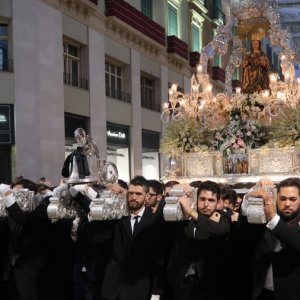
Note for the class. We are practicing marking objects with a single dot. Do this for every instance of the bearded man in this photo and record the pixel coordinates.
(131, 273)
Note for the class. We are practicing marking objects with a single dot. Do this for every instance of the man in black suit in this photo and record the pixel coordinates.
(155, 195)
(94, 246)
(27, 245)
(195, 265)
(130, 274)
(276, 255)
(4, 234)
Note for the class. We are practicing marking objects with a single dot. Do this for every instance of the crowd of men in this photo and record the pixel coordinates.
(215, 254)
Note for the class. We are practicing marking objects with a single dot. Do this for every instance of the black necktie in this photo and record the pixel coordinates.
(136, 222)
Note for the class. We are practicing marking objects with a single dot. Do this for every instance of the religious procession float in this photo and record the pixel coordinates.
(230, 137)
(244, 134)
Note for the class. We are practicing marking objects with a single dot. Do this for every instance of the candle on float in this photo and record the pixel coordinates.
(199, 69)
(209, 88)
(165, 106)
(273, 77)
(265, 93)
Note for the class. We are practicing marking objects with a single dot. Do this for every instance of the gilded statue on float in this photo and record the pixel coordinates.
(255, 69)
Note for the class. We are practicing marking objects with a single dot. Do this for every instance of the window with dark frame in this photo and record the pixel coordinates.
(113, 80)
(172, 20)
(73, 66)
(4, 61)
(148, 92)
(196, 46)
(146, 8)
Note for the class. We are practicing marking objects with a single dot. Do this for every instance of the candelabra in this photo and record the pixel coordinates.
(282, 94)
(197, 105)
(201, 103)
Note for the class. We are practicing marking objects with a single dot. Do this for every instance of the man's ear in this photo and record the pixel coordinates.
(159, 197)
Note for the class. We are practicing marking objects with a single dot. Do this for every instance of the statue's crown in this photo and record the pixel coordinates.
(258, 36)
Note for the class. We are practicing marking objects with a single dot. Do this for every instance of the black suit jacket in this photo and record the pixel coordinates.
(285, 260)
(94, 243)
(3, 251)
(131, 272)
(27, 238)
(204, 250)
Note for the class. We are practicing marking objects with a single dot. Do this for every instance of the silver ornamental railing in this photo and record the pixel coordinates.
(108, 206)
(24, 198)
(172, 209)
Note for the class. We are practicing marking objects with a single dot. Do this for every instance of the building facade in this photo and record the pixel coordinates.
(105, 66)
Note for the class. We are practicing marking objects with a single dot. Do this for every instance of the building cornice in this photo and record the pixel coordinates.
(200, 5)
(175, 3)
(78, 9)
(131, 37)
(117, 30)
(196, 17)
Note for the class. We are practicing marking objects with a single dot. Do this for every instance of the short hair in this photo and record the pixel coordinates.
(195, 183)
(42, 187)
(26, 183)
(225, 191)
(209, 186)
(142, 181)
(170, 184)
(156, 186)
(291, 181)
(123, 184)
(233, 197)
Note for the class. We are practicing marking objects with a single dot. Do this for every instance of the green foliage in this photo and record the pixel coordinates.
(286, 127)
(182, 137)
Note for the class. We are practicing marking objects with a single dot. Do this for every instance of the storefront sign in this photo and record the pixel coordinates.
(118, 134)
(6, 124)
(3, 119)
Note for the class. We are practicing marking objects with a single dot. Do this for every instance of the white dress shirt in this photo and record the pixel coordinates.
(132, 217)
(269, 283)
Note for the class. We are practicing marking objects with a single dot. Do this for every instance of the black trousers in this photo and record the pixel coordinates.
(191, 288)
(24, 280)
(84, 288)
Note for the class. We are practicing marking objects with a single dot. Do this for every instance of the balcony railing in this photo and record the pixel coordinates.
(176, 45)
(6, 65)
(146, 103)
(76, 81)
(133, 17)
(118, 94)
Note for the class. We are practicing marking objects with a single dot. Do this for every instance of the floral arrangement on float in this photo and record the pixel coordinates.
(239, 133)
(239, 124)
